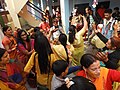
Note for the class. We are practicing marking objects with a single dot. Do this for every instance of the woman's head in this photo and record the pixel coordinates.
(4, 56)
(82, 83)
(78, 83)
(36, 29)
(43, 48)
(113, 43)
(91, 65)
(55, 22)
(42, 43)
(63, 41)
(72, 31)
(22, 35)
(7, 30)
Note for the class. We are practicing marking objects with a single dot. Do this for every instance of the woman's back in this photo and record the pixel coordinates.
(45, 78)
(43, 60)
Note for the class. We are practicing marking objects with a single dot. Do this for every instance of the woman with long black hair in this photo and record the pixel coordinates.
(43, 58)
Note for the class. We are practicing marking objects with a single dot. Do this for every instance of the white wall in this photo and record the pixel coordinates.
(82, 1)
(14, 7)
(19, 4)
(64, 14)
(115, 3)
(56, 3)
(71, 6)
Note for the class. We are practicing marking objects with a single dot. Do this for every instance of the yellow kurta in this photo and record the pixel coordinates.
(3, 86)
(41, 78)
(59, 52)
(78, 45)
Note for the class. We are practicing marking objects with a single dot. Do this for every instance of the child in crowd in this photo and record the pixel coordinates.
(60, 82)
(60, 69)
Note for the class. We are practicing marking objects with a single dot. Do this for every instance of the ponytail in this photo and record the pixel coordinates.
(63, 41)
(71, 34)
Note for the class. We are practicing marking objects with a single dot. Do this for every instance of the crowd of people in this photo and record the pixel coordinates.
(54, 54)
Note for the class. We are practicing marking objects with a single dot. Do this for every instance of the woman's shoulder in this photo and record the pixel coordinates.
(52, 57)
(34, 54)
(78, 34)
(57, 46)
(5, 38)
(58, 49)
(104, 72)
(81, 73)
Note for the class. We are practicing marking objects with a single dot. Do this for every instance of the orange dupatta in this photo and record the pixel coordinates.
(101, 81)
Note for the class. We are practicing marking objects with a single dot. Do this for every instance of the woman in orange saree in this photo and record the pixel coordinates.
(9, 42)
(10, 77)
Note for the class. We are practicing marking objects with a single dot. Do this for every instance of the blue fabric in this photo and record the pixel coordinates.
(109, 34)
(17, 77)
(102, 64)
(73, 69)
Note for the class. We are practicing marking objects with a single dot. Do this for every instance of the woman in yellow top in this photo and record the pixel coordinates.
(62, 51)
(43, 60)
(76, 39)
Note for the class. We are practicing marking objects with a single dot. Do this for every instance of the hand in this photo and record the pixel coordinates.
(102, 56)
(81, 16)
(94, 26)
(33, 50)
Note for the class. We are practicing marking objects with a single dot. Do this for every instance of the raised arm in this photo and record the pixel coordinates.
(85, 27)
(102, 38)
(109, 63)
